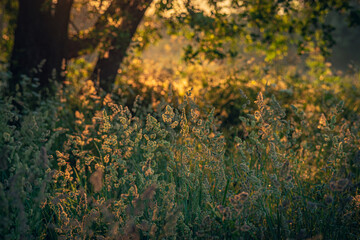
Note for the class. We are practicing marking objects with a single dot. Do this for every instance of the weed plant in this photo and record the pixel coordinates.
(83, 166)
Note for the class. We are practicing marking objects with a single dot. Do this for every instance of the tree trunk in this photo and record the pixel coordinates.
(39, 44)
(132, 12)
(41, 36)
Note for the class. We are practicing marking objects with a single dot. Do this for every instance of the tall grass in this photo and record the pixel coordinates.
(84, 166)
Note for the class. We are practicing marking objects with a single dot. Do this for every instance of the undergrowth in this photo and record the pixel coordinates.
(83, 166)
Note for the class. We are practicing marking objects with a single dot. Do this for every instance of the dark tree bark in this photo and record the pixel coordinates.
(132, 12)
(40, 38)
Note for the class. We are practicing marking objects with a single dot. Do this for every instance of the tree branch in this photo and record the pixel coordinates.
(106, 67)
(77, 45)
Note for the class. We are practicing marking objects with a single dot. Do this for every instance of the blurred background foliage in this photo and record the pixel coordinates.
(104, 32)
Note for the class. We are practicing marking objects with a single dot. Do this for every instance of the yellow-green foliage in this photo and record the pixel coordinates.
(118, 163)
(83, 166)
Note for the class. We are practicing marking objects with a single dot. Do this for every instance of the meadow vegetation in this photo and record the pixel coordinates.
(259, 151)
(226, 120)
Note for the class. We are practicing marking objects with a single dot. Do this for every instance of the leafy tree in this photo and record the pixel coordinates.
(265, 24)
(7, 23)
(42, 31)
